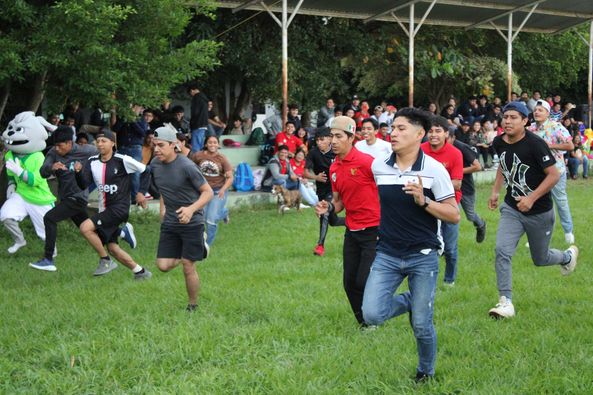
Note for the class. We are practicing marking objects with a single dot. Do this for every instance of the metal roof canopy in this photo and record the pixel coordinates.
(512, 16)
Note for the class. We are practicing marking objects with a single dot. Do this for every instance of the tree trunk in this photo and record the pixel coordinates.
(242, 101)
(4, 98)
(38, 93)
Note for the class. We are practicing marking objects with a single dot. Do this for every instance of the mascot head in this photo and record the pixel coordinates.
(26, 133)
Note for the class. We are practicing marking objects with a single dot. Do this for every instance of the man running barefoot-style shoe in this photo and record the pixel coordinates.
(319, 250)
(529, 170)
(127, 233)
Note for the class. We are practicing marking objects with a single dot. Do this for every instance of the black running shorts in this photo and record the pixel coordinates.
(181, 241)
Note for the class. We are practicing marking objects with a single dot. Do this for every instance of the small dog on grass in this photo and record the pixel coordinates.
(287, 199)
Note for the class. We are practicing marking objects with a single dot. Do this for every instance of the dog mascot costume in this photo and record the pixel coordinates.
(28, 193)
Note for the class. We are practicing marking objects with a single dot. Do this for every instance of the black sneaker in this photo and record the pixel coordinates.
(422, 377)
(191, 308)
(481, 233)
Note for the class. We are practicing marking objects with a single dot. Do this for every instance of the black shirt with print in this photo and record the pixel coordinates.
(522, 165)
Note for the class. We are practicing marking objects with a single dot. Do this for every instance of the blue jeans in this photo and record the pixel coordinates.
(198, 136)
(573, 166)
(214, 212)
(380, 304)
(561, 199)
(450, 233)
(135, 151)
(287, 183)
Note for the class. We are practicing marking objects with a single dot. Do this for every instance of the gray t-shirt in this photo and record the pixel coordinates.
(179, 183)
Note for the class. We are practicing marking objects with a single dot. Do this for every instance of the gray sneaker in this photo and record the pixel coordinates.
(143, 275)
(105, 266)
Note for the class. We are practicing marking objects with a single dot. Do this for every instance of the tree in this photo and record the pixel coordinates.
(99, 51)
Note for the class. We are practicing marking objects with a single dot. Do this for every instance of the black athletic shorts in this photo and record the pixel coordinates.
(181, 241)
(107, 225)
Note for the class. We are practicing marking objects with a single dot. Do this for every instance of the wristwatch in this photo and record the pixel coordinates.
(426, 201)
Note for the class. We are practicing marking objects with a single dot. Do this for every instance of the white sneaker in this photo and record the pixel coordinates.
(503, 309)
(16, 246)
(569, 238)
(301, 205)
(569, 267)
(55, 254)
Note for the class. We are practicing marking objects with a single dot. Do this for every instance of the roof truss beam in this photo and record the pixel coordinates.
(498, 16)
(391, 10)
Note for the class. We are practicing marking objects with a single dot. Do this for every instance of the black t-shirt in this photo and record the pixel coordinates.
(522, 165)
(469, 155)
(320, 162)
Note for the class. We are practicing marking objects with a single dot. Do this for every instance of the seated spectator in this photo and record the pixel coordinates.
(350, 113)
(237, 126)
(484, 109)
(298, 165)
(325, 113)
(556, 112)
(337, 113)
(482, 140)
(432, 108)
(462, 133)
(387, 116)
(184, 146)
(280, 172)
(179, 121)
(474, 131)
(288, 139)
(215, 125)
(293, 116)
(303, 135)
(148, 148)
(469, 109)
(576, 157)
(449, 114)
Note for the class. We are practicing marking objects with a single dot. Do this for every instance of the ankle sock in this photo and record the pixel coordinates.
(138, 269)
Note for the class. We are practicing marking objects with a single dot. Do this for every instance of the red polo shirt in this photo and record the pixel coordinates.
(451, 158)
(353, 179)
(292, 142)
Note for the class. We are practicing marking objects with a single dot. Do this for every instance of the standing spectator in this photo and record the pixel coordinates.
(415, 192)
(319, 160)
(383, 133)
(355, 191)
(556, 112)
(377, 112)
(370, 144)
(219, 173)
(148, 148)
(527, 167)
(198, 122)
(354, 104)
(558, 140)
(362, 114)
(537, 95)
(387, 116)
(215, 125)
(326, 112)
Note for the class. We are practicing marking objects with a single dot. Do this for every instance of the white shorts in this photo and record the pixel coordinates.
(16, 208)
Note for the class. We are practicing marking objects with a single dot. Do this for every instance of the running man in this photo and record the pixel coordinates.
(355, 191)
(415, 192)
(111, 172)
(528, 168)
(184, 194)
(319, 159)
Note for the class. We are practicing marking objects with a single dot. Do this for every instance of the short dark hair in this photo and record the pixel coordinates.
(283, 147)
(290, 122)
(192, 85)
(82, 136)
(177, 109)
(439, 121)
(62, 134)
(536, 91)
(415, 117)
(148, 110)
(383, 125)
(293, 106)
(372, 121)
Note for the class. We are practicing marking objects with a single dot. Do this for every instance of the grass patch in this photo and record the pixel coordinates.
(273, 318)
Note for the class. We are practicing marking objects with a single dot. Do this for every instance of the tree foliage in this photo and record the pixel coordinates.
(100, 51)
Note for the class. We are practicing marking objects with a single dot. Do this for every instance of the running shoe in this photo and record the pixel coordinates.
(206, 247)
(503, 309)
(44, 264)
(319, 250)
(128, 235)
(143, 275)
(570, 266)
(481, 233)
(16, 246)
(105, 266)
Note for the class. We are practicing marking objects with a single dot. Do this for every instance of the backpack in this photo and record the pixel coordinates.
(257, 137)
(265, 154)
(243, 181)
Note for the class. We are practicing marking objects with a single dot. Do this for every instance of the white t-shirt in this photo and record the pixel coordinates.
(380, 149)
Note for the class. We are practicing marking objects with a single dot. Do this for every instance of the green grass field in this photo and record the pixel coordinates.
(274, 319)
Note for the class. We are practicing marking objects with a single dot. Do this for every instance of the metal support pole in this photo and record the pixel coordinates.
(590, 81)
(510, 57)
(284, 61)
(411, 35)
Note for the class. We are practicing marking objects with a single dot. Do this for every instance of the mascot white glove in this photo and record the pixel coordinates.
(15, 167)
(10, 190)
